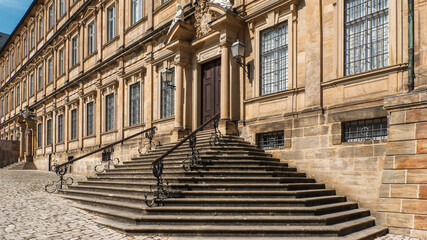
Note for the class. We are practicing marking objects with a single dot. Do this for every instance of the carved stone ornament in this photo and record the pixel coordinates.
(226, 4)
(179, 16)
(203, 16)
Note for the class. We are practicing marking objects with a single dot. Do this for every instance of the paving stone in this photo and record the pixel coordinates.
(28, 212)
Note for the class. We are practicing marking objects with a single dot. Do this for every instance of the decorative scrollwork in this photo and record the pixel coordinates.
(193, 159)
(158, 191)
(55, 185)
(216, 136)
(106, 161)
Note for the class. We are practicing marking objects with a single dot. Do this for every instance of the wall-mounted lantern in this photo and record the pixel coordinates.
(238, 53)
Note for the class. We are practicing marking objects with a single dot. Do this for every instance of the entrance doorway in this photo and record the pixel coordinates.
(211, 90)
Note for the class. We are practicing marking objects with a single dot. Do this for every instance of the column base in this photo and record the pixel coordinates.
(177, 133)
(228, 127)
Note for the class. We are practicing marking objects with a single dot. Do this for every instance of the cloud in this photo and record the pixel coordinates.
(19, 5)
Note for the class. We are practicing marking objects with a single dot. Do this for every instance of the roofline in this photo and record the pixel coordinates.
(20, 22)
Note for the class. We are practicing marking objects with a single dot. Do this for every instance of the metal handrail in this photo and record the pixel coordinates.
(184, 140)
(106, 147)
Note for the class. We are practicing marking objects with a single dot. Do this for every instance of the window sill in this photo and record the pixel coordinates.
(273, 96)
(73, 140)
(135, 24)
(73, 67)
(109, 132)
(90, 55)
(134, 126)
(366, 142)
(162, 120)
(163, 5)
(363, 75)
(110, 42)
(90, 136)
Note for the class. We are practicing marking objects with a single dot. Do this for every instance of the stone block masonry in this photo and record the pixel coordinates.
(9, 152)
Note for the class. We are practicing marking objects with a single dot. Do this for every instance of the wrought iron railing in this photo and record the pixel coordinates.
(161, 189)
(106, 161)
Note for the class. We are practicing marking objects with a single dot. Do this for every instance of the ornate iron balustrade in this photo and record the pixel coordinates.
(61, 169)
(160, 190)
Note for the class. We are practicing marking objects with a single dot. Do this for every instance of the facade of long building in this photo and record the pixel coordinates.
(323, 85)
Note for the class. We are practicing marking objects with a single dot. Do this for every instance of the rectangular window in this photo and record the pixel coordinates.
(274, 59)
(60, 128)
(91, 38)
(24, 47)
(18, 55)
(136, 11)
(168, 98)
(32, 43)
(89, 119)
(109, 112)
(6, 106)
(39, 135)
(13, 61)
(50, 70)
(366, 35)
(24, 90)
(49, 132)
(7, 67)
(73, 124)
(2, 73)
(31, 84)
(18, 97)
(51, 17)
(40, 80)
(61, 8)
(271, 140)
(362, 130)
(111, 31)
(75, 51)
(61, 62)
(11, 101)
(134, 104)
(41, 34)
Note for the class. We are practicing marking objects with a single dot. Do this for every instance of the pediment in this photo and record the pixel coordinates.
(205, 12)
(180, 31)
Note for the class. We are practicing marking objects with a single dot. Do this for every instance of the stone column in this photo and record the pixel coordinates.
(22, 127)
(225, 82)
(29, 143)
(178, 96)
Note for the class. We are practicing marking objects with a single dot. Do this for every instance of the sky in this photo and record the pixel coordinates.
(11, 12)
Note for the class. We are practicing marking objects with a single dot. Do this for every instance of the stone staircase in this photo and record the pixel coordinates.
(239, 191)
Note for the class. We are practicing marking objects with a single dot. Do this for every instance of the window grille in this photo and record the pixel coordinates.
(39, 135)
(91, 37)
(109, 112)
(51, 16)
(49, 132)
(61, 62)
(134, 103)
(136, 11)
(362, 130)
(40, 78)
(111, 23)
(89, 119)
(271, 140)
(41, 28)
(75, 52)
(50, 70)
(274, 59)
(73, 124)
(168, 98)
(366, 35)
(31, 84)
(61, 128)
(18, 97)
(24, 90)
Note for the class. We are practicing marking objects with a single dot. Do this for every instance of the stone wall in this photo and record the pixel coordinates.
(313, 145)
(403, 195)
(9, 152)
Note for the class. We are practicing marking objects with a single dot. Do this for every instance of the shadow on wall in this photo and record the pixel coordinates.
(9, 152)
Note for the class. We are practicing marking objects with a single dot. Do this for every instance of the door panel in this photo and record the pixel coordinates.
(211, 90)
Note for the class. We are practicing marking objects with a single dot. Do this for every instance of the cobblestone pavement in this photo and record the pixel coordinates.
(28, 212)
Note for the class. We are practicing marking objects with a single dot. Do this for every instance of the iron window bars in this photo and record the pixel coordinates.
(366, 35)
(274, 59)
(271, 140)
(362, 130)
(168, 97)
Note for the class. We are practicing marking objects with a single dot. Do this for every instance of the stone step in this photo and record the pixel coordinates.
(334, 230)
(213, 186)
(206, 151)
(210, 162)
(136, 218)
(210, 157)
(179, 166)
(209, 179)
(214, 211)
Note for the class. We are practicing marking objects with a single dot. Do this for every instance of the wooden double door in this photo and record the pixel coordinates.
(211, 90)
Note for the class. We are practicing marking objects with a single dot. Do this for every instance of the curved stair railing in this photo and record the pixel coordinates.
(161, 189)
(106, 161)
